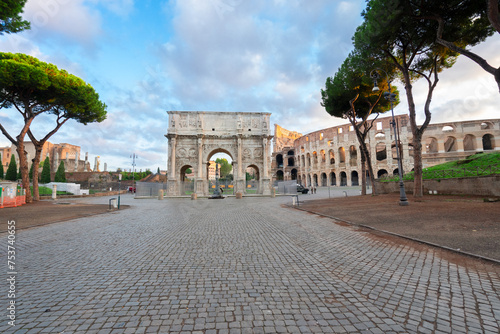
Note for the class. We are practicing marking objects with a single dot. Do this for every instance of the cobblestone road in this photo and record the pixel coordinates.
(238, 266)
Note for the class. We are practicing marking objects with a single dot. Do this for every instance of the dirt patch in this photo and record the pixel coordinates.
(465, 223)
(45, 212)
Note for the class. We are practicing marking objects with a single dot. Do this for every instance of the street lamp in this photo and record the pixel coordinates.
(403, 201)
(133, 156)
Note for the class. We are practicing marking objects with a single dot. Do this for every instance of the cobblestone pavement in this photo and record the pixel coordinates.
(238, 266)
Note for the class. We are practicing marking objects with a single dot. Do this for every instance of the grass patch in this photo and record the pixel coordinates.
(479, 164)
(45, 191)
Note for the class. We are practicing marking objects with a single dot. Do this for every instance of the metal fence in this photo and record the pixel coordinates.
(149, 189)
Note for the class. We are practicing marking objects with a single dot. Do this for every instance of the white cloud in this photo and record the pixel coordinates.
(70, 20)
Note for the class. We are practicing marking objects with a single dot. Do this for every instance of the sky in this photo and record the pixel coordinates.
(147, 57)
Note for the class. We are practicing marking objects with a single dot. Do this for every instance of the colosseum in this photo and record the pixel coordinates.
(331, 156)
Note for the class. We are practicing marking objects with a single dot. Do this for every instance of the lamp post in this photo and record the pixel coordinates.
(119, 188)
(133, 156)
(403, 201)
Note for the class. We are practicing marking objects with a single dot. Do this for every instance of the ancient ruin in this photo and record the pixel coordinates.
(195, 136)
(331, 157)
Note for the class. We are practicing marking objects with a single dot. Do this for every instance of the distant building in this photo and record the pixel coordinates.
(68, 153)
(212, 169)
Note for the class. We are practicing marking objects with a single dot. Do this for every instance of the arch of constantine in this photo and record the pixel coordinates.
(195, 136)
(331, 156)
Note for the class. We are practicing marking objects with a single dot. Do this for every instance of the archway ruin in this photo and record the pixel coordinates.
(194, 136)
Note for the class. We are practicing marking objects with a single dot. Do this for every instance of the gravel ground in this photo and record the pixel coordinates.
(465, 223)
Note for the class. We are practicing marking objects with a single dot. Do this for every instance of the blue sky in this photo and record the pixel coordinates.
(147, 57)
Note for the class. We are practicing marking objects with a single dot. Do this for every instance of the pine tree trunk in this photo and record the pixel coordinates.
(23, 166)
(36, 166)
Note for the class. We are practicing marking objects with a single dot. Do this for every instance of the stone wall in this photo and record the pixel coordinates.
(481, 186)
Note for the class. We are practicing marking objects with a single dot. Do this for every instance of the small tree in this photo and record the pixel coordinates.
(11, 174)
(225, 167)
(45, 177)
(60, 173)
(1, 167)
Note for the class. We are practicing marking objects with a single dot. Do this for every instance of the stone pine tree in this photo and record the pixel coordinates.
(32, 88)
(45, 177)
(349, 95)
(11, 174)
(460, 24)
(60, 173)
(1, 168)
(10, 17)
(390, 32)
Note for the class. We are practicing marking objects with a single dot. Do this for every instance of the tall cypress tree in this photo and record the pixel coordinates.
(11, 174)
(1, 168)
(45, 177)
(60, 174)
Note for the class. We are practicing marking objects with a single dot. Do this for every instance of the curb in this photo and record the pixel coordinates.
(480, 257)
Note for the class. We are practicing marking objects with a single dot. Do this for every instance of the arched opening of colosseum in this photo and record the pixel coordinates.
(293, 174)
(469, 143)
(323, 156)
(280, 176)
(324, 180)
(332, 157)
(431, 145)
(291, 152)
(333, 179)
(253, 185)
(315, 180)
(308, 159)
(308, 181)
(381, 152)
(315, 159)
(488, 142)
(450, 145)
(343, 179)
(291, 161)
(187, 182)
(341, 155)
(279, 160)
(395, 172)
(354, 178)
(382, 173)
(353, 156)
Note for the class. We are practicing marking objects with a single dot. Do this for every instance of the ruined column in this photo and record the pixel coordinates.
(66, 163)
(55, 163)
(85, 168)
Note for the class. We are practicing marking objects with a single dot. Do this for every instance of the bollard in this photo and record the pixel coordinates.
(160, 194)
(273, 192)
(54, 191)
(194, 196)
(239, 195)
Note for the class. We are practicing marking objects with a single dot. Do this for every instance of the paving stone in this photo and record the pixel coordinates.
(240, 266)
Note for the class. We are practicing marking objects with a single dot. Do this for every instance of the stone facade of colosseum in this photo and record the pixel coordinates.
(331, 156)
